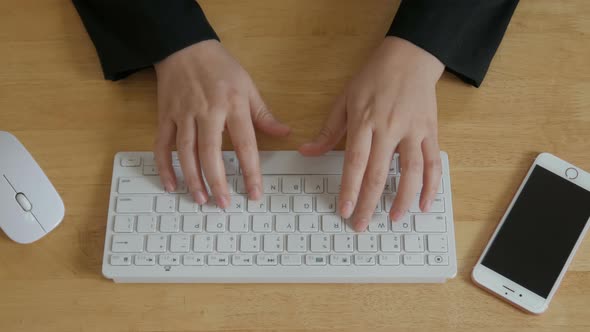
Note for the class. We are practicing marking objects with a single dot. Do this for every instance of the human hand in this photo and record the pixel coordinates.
(202, 89)
(389, 106)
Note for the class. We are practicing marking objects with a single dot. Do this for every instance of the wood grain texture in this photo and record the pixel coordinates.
(536, 97)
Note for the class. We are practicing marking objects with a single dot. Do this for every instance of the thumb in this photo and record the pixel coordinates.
(330, 134)
(263, 119)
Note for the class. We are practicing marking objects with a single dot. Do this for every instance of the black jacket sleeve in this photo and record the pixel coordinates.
(463, 34)
(133, 34)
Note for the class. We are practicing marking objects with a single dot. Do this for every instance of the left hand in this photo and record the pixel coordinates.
(389, 106)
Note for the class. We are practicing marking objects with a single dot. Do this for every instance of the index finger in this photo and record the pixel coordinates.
(412, 165)
(209, 144)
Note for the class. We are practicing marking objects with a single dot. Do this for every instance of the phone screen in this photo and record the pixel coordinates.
(540, 231)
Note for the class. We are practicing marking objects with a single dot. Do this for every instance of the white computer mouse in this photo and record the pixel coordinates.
(30, 207)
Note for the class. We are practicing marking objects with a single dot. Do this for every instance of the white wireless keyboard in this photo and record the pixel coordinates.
(292, 235)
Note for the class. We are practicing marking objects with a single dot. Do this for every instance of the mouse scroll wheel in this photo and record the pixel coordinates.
(24, 202)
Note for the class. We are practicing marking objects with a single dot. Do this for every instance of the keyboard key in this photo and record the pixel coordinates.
(124, 224)
(193, 260)
(217, 260)
(150, 170)
(340, 260)
(302, 204)
(344, 243)
(296, 243)
(257, 206)
(320, 243)
(314, 184)
(169, 259)
(379, 223)
(391, 243)
(226, 243)
(308, 223)
(413, 259)
(366, 243)
(291, 184)
(230, 162)
(261, 223)
(402, 225)
(331, 224)
(388, 202)
(413, 243)
(364, 260)
(145, 260)
(430, 223)
(127, 243)
(140, 185)
(394, 165)
(192, 223)
(120, 259)
(438, 205)
(389, 187)
(165, 204)
(378, 206)
(273, 243)
(187, 204)
(240, 186)
(250, 243)
(157, 243)
(291, 260)
(130, 161)
(236, 204)
(279, 204)
(266, 259)
(438, 260)
(135, 204)
(325, 203)
(231, 180)
(241, 260)
(285, 223)
(271, 184)
(215, 223)
(210, 207)
(149, 160)
(334, 182)
(392, 259)
(203, 243)
(180, 243)
(437, 243)
(315, 260)
(169, 224)
(238, 223)
(146, 224)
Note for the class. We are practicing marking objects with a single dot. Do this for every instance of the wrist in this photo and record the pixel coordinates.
(410, 57)
(201, 49)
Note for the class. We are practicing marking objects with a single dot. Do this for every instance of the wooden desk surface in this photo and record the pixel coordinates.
(535, 98)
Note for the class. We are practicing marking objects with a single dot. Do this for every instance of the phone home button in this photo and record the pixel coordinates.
(571, 173)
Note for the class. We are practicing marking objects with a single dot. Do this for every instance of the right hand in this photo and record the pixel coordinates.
(202, 89)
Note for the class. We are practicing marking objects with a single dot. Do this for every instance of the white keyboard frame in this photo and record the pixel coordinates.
(271, 161)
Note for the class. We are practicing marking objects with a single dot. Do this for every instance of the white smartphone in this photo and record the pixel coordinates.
(537, 238)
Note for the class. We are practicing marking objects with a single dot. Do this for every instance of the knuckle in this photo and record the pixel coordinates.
(433, 165)
(354, 159)
(374, 182)
(413, 165)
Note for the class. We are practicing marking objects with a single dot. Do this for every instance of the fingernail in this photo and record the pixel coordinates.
(397, 215)
(360, 225)
(346, 210)
(255, 193)
(169, 187)
(427, 205)
(200, 197)
(222, 202)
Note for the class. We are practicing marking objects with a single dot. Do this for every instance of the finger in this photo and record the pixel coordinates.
(209, 137)
(358, 145)
(263, 119)
(412, 164)
(373, 180)
(186, 143)
(163, 153)
(432, 172)
(331, 132)
(243, 139)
